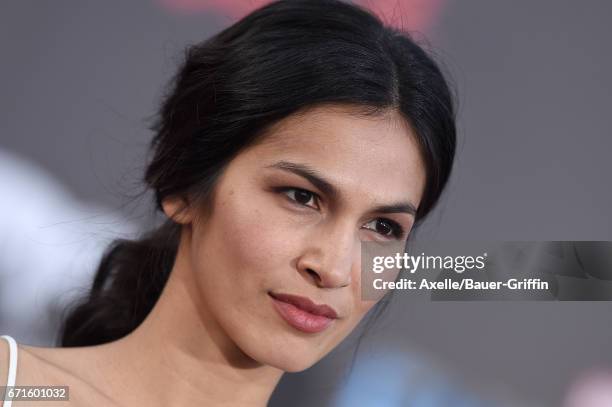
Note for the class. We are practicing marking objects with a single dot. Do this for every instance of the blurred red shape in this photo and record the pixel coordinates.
(413, 15)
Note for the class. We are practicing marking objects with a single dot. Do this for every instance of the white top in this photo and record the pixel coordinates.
(12, 371)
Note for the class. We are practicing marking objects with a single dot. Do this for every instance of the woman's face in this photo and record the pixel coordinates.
(287, 219)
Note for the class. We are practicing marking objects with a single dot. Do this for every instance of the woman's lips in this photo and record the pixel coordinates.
(303, 314)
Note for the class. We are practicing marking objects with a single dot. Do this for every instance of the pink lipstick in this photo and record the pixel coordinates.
(303, 314)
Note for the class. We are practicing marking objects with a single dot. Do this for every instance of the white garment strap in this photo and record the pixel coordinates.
(12, 373)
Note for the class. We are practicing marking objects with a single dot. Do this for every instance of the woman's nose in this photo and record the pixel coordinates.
(329, 257)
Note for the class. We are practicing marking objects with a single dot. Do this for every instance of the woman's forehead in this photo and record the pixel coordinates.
(374, 154)
(337, 129)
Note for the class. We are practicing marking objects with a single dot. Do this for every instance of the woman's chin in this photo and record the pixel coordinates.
(290, 361)
(290, 364)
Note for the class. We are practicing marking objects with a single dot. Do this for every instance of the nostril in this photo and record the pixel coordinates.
(313, 274)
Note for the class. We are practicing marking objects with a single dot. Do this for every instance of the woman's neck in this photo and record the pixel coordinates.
(180, 356)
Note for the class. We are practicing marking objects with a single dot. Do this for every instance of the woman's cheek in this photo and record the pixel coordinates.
(257, 236)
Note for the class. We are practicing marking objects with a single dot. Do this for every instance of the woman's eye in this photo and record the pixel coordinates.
(301, 196)
(382, 226)
(387, 228)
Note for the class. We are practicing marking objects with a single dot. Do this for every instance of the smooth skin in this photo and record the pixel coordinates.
(214, 337)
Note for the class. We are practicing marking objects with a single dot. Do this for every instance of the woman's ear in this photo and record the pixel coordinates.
(178, 209)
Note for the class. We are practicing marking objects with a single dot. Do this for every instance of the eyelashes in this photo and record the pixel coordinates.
(393, 227)
(303, 197)
(300, 195)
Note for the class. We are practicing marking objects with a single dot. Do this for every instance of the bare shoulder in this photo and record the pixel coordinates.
(4, 361)
(31, 371)
(41, 366)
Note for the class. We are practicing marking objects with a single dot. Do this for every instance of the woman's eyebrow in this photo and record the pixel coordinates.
(329, 189)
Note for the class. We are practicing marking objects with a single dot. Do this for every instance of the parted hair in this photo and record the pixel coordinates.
(281, 58)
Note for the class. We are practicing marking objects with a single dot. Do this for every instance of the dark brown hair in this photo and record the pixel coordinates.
(284, 57)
